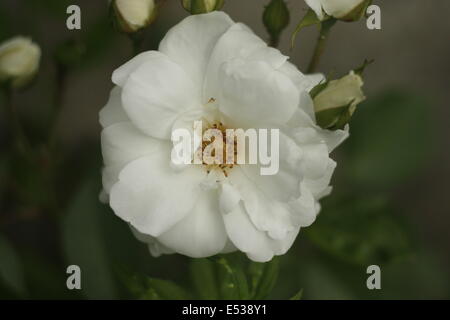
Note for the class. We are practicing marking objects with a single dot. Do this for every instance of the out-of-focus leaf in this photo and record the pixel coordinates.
(232, 278)
(204, 279)
(146, 288)
(56, 8)
(390, 140)
(11, 272)
(5, 22)
(3, 178)
(297, 296)
(263, 278)
(83, 244)
(45, 280)
(360, 230)
(321, 282)
(97, 40)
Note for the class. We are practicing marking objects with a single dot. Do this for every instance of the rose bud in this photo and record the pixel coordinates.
(19, 61)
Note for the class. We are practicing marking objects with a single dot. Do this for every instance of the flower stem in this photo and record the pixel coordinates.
(136, 41)
(274, 41)
(58, 99)
(325, 30)
(19, 136)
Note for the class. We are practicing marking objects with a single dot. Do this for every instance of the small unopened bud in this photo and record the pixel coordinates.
(202, 6)
(133, 15)
(276, 19)
(336, 101)
(19, 61)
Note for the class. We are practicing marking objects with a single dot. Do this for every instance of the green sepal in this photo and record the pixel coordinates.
(309, 19)
(334, 118)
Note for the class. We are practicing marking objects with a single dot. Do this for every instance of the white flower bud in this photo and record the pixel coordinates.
(336, 102)
(347, 10)
(19, 61)
(133, 15)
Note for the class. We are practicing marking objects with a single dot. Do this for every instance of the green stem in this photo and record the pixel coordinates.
(274, 41)
(136, 40)
(58, 100)
(19, 136)
(325, 30)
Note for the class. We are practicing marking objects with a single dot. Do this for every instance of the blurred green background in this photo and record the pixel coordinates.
(390, 204)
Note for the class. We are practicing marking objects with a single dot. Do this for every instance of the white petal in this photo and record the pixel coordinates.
(304, 83)
(201, 233)
(246, 237)
(305, 208)
(154, 246)
(121, 74)
(191, 42)
(151, 196)
(255, 243)
(265, 213)
(341, 8)
(254, 94)
(320, 187)
(113, 111)
(156, 94)
(316, 5)
(238, 42)
(315, 160)
(229, 198)
(121, 144)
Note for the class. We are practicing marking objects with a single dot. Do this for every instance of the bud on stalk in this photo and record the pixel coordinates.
(336, 101)
(276, 19)
(133, 15)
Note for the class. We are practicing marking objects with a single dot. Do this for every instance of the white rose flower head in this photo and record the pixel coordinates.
(211, 69)
(19, 61)
(340, 9)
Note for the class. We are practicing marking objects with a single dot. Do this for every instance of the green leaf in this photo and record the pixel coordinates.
(146, 288)
(232, 278)
(11, 272)
(204, 278)
(391, 138)
(166, 290)
(263, 278)
(360, 230)
(297, 296)
(309, 19)
(84, 245)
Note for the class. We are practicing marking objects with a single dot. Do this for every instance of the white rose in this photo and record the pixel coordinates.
(19, 61)
(339, 9)
(211, 69)
(133, 15)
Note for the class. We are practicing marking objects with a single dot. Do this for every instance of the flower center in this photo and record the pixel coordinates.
(218, 149)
